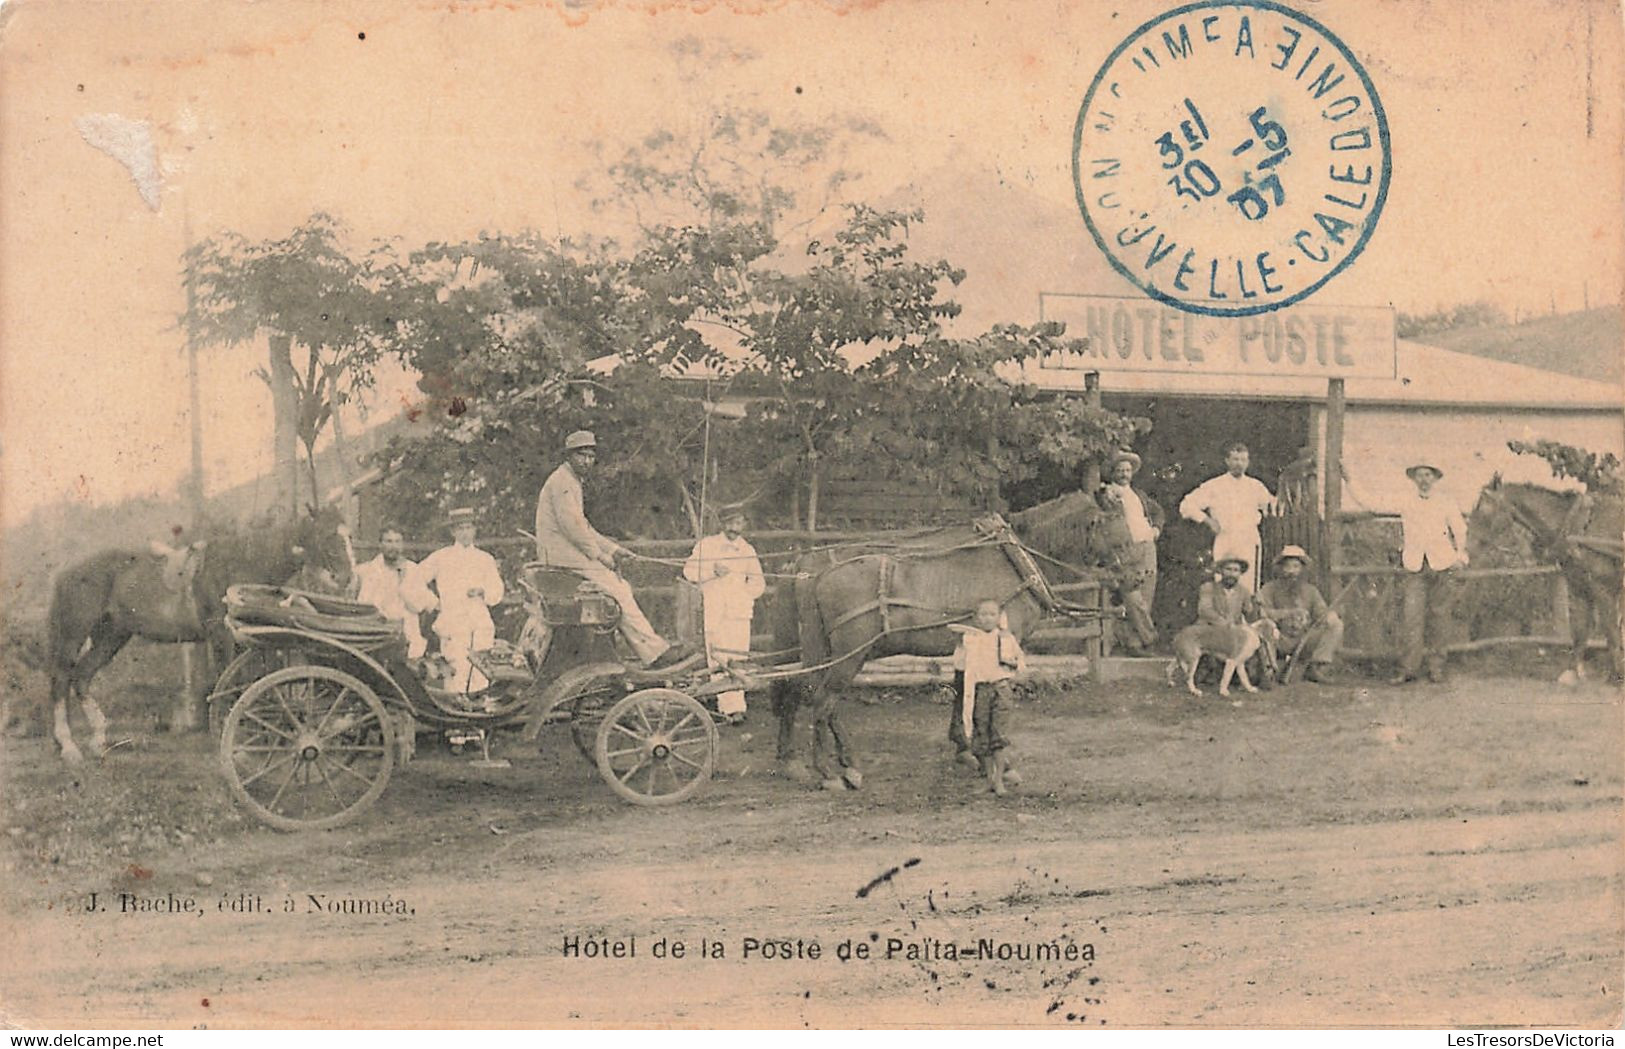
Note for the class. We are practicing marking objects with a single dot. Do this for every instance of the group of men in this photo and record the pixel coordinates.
(460, 583)
(1232, 506)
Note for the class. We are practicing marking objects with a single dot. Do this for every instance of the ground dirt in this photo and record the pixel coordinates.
(1352, 854)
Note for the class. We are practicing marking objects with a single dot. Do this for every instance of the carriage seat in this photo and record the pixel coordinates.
(180, 563)
(568, 598)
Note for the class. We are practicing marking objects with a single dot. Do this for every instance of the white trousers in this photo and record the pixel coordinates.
(727, 639)
(646, 643)
(470, 632)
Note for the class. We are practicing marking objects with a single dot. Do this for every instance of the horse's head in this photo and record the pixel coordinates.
(1072, 528)
(322, 542)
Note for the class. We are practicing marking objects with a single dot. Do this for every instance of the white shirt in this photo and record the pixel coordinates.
(454, 570)
(1139, 528)
(381, 587)
(728, 574)
(1435, 532)
(984, 655)
(1237, 503)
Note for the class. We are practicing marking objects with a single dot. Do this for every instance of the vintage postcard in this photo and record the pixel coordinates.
(904, 513)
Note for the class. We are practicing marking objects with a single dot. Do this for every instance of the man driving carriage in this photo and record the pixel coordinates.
(565, 539)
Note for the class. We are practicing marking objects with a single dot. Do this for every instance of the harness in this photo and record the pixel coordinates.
(991, 531)
(1570, 533)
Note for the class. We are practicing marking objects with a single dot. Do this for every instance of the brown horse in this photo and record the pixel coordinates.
(99, 603)
(895, 596)
(1583, 533)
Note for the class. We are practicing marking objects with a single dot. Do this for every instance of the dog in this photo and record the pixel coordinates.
(1232, 644)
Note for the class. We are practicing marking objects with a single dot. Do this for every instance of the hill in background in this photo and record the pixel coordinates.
(1587, 344)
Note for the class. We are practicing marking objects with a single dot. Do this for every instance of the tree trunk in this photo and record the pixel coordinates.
(812, 491)
(341, 453)
(285, 434)
(315, 486)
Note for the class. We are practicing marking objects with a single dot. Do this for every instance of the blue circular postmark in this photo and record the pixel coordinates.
(1231, 157)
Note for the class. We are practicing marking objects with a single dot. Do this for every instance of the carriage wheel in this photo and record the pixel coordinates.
(588, 709)
(656, 747)
(307, 748)
(247, 667)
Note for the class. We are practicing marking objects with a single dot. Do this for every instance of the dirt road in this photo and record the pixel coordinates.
(1320, 856)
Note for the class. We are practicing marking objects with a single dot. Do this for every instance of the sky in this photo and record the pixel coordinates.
(429, 121)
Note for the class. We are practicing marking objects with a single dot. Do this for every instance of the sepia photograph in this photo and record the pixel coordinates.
(786, 514)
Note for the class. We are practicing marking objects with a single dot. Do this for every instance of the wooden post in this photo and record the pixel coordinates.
(1091, 396)
(1332, 478)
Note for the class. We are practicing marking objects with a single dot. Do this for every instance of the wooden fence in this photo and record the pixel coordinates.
(1495, 604)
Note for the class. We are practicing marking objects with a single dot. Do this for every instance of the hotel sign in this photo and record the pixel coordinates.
(1301, 341)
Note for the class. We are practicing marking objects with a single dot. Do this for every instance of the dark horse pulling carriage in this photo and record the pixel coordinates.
(322, 704)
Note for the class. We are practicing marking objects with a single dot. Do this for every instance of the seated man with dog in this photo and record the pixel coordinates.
(1308, 626)
(1228, 628)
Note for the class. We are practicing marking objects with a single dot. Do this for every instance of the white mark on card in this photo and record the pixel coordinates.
(130, 143)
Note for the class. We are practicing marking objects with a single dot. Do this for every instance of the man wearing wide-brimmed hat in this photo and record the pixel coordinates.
(725, 568)
(1142, 523)
(1227, 601)
(1435, 546)
(565, 539)
(467, 583)
(1307, 624)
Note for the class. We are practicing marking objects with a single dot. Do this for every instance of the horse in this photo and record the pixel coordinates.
(1583, 533)
(897, 595)
(114, 595)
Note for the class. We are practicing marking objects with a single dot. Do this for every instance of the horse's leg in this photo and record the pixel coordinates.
(59, 725)
(1582, 612)
(106, 640)
(826, 778)
(1613, 621)
(783, 698)
(849, 772)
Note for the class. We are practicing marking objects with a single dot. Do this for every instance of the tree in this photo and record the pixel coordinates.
(323, 313)
(1599, 473)
(1464, 315)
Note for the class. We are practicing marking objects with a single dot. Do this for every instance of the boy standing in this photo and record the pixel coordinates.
(987, 658)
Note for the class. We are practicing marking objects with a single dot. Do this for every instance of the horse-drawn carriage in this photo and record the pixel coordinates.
(322, 703)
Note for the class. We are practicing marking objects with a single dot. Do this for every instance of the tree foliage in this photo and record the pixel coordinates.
(1597, 472)
(838, 366)
(322, 310)
(1464, 315)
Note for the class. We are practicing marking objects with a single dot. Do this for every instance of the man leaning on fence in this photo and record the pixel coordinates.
(1142, 524)
(1435, 548)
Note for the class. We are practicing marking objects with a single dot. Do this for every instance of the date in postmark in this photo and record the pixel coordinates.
(1231, 157)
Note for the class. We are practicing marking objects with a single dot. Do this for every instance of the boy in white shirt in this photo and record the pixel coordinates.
(987, 658)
